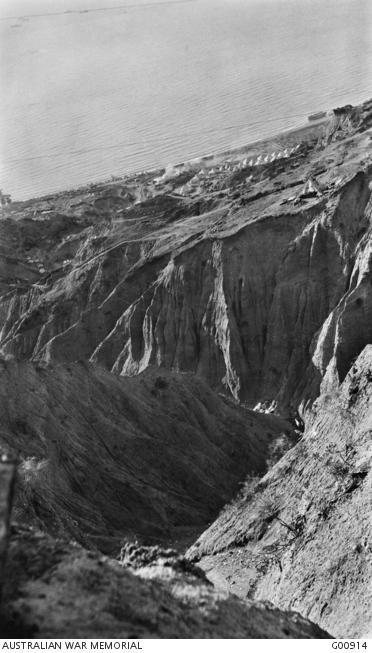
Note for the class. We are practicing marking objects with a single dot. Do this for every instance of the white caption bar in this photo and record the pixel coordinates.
(184, 645)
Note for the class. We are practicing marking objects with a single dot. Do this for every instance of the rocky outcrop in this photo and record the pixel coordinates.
(103, 457)
(55, 589)
(301, 536)
(344, 121)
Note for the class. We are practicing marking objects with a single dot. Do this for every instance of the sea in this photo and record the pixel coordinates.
(91, 89)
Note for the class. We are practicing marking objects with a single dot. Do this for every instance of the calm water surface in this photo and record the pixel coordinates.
(108, 91)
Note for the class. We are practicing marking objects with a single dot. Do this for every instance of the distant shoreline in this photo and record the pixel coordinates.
(266, 140)
(250, 149)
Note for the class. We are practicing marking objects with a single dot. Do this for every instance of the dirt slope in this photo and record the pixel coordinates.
(105, 456)
(302, 536)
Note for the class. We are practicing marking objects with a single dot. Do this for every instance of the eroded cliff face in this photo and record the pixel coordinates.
(301, 536)
(258, 296)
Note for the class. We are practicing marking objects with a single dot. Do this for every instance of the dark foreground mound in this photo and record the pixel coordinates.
(301, 537)
(105, 456)
(56, 589)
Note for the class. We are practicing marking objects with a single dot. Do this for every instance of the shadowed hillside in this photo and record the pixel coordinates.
(105, 457)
